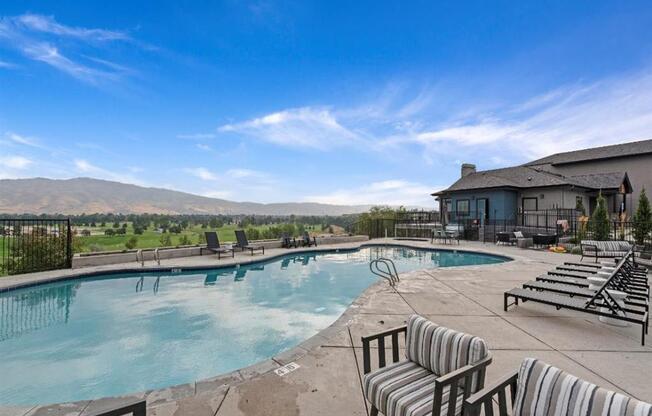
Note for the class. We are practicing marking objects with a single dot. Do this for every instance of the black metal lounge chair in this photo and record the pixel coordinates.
(287, 241)
(505, 237)
(243, 243)
(601, 303)
(632, 299)
(213, 245)
(435, 377)
(306, 241)
(584, 283)
(537, 388)
(136, 407)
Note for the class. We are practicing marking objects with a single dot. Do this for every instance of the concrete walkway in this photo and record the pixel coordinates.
(328, 381)
(470, 299)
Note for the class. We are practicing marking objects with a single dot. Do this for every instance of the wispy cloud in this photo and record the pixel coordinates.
(82, 166)
(41, 38)
(308, 127)
(22, 140)
(389, 192)
(202, 173)
(7, 65)
(14, 162)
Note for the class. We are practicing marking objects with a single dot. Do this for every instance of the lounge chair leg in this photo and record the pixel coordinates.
(373, 411)
(505, 302)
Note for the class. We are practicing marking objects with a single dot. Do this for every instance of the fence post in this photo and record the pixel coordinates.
(69, 245)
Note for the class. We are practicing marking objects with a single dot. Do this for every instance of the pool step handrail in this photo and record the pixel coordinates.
(157, 256)
(140, 258)
(388, 273)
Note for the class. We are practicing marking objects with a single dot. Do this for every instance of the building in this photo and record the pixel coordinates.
(558, 181)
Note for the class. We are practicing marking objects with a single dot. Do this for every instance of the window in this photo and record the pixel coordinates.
(530, 204)
(462, 206)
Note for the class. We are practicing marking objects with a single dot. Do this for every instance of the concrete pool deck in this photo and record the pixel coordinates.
(467, 298)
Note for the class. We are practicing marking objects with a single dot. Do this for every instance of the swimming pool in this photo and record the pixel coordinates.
(122, 333)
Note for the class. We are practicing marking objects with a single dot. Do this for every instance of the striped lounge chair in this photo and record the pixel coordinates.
(543, 390)
(442, 368)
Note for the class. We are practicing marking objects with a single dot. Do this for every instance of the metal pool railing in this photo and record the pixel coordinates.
(33, 245)
(388, 273)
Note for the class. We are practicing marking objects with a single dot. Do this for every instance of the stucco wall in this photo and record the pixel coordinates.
(554, 197)
(638, 168)
(502, 203)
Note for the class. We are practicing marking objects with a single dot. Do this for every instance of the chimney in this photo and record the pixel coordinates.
(467, 169)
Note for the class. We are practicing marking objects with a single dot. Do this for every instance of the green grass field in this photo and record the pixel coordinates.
(150, 238)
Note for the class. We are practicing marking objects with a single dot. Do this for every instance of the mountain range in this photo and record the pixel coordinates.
(88, 195)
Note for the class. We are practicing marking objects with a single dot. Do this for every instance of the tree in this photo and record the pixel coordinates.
(116, 224)
(165, 240)
(138, 229)
(599, 223)
(642, 219)
(579, 206)
(131, 243)
(109, 231)
(184, 241)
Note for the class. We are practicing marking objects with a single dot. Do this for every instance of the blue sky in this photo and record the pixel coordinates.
(337, 102)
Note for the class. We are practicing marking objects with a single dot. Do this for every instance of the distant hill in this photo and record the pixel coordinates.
(87, 195)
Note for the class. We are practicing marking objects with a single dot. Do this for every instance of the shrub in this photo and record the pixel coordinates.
(165, 240)
(131, 243)
(184, 241)
(642, 219)
(109, 231)
(86, 233)
(600, 226)
(95, 248)
(138, 230)
(121, 231)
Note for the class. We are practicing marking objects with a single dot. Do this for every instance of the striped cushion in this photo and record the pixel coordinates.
(544, 390)
(607, 245)
(405, 389)
(441, 350)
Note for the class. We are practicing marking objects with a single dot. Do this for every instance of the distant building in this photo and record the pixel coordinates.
(557, 181)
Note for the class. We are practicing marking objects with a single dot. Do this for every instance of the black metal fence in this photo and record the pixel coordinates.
(476, 227)
(33, 245)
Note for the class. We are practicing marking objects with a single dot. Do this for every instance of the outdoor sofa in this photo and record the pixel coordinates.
(604, 249)
(539, 389)
(442, 367)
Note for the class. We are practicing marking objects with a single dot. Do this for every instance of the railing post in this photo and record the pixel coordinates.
(69, 252)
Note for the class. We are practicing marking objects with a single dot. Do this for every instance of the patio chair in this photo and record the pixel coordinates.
(213, 245)
(442, 368)
(602, 303)
(307, 241)
(136, 407)
(537, 388)
(243, 243)
(287, 241)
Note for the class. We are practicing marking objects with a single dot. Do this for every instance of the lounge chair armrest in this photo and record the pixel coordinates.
(464, 372)
(136, 408)
(595, 246)
(380, 338)
(473, 404)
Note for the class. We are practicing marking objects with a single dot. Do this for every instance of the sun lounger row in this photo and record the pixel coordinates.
(213, 243)
(620, 292)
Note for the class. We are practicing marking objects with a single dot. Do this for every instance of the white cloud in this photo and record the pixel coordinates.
(15, 162)
(307, 127)
(7, 65)
(40, 38)
(47, 24)
(605, 112)
(202, 173)
(388, 192)
(203, 147)
(24, 140)
(85, 167)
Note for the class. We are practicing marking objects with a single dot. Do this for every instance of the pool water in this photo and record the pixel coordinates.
(124, 333)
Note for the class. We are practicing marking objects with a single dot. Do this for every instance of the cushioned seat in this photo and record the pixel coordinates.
(406, 389)
(544, 390)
